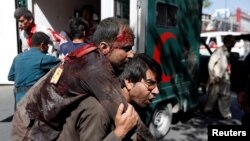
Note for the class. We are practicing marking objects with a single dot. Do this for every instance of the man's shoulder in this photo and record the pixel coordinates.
(64, 46)
(40, 27)
(36, 53)
(22, 54)
(94, 105)
(217, 51)
(94, 102)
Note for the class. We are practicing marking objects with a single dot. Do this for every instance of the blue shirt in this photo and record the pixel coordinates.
(28, 67)
(68, 47)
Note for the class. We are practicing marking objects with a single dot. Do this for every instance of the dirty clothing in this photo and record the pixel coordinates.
(42, 114)
(27, 68)
(219, 81)
(79, 125)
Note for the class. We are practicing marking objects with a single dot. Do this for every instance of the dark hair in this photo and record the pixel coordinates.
(136, 69)
(22, 11)
(76, 27)
(88, 7)
(229, 41)
(38, 38)
(227, 38)
(108, 29)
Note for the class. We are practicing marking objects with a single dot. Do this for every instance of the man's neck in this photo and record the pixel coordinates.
(30, 29)
(77, 41)
(126, 94)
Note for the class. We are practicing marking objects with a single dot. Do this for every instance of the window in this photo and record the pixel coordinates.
(204, 39)
(166, 15)
(122, 9)
(21, 3)
(212, 42)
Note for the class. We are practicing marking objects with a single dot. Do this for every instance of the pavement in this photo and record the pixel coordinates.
(195, 126)
(6, 111)
(194, 129)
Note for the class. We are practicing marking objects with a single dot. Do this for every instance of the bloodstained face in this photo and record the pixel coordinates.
(24, 23)
(121, 48)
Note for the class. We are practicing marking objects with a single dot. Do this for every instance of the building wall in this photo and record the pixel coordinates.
(8, 36)
(58, 12)
(238, 21)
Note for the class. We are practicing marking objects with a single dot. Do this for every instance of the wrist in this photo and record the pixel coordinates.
(119, 133)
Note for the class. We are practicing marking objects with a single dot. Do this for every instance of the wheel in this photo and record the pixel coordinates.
(161, 121)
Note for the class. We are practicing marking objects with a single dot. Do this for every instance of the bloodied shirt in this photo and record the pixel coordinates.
(46, 105)
(44, 109)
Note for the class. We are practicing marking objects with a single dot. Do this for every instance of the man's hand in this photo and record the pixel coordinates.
(125, 121)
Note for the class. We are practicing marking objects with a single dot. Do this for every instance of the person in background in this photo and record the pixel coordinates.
(28, 27)
(244, 103)
(244, 95)
(28, 67)
(88, 71)
(219, 69)
(87, 12)
(78, 28)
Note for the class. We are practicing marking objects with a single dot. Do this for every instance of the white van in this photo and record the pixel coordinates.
(214, 40)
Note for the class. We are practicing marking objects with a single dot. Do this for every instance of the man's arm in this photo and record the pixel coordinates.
(213, 61)
(124, 122)
(95, 124)
(11, 75)
(216, 65)
(49, 62)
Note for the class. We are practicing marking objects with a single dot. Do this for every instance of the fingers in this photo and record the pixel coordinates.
(130, 110)
(125, 120)
(120, 109)
(129, 114)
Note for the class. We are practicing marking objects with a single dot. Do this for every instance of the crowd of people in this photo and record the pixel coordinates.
(92, 85)
(86, 93)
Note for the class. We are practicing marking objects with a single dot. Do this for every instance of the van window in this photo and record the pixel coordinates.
(212, 39)
(212, 42)
(204, 39)
(166, 15)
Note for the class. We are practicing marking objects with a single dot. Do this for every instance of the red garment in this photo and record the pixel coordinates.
(25, 36)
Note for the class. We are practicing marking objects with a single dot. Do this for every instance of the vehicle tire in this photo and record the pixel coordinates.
(161, 121)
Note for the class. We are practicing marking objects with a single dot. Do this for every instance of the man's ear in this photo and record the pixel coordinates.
(104, 47)
(43, 47)
(30, 20)
(128, 84)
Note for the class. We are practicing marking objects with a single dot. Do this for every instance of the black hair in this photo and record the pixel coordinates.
(227, 38)
(22, 11)
(229, 41)
(136, 68)
(77, 26)
(108, 29)
(38, 38)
